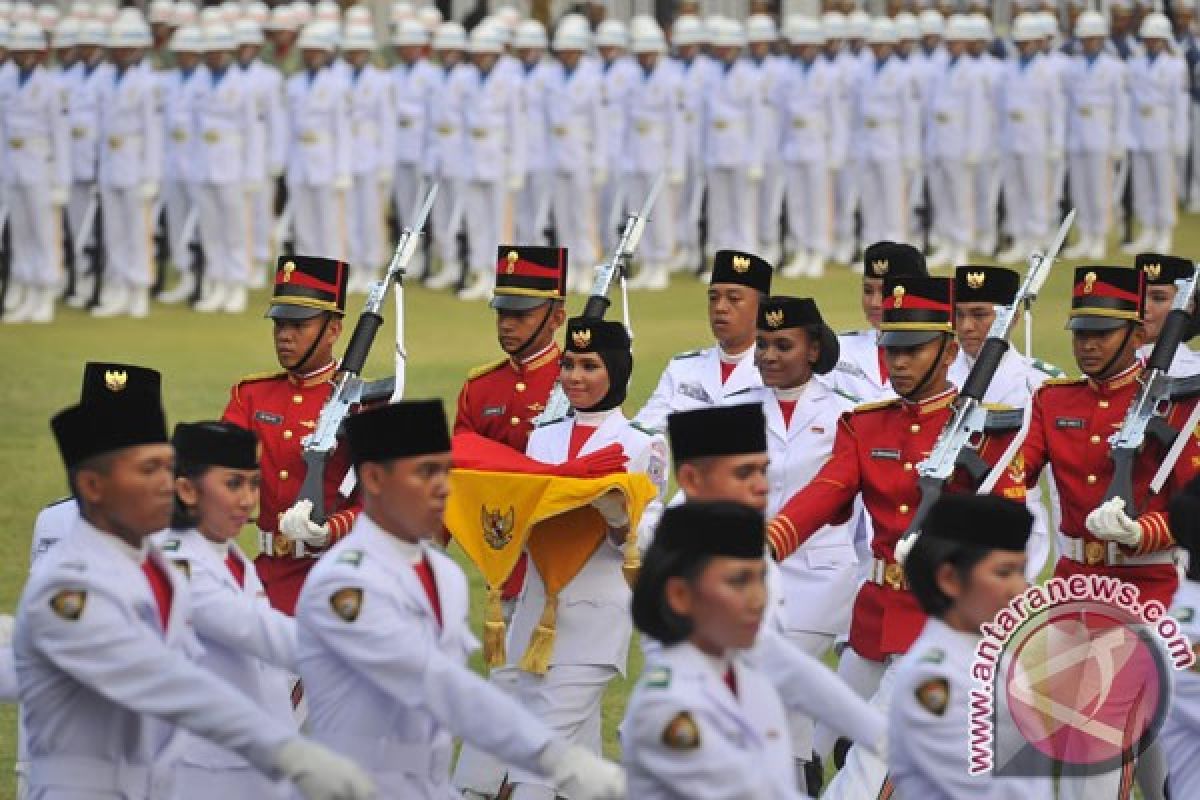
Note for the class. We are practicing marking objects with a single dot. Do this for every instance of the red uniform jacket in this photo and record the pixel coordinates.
(1069, 428)
(876, 452)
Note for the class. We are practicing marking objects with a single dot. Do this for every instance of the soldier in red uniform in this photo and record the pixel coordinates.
(1069, 429)
(307, 307)
(875, 453)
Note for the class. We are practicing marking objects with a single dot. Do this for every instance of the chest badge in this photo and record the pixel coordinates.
(934, 696)
(347, 603)
(681, 732)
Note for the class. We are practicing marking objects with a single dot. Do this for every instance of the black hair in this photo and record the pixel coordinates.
(926, 557)
(182, 517)
(651, 613)
(101, 463)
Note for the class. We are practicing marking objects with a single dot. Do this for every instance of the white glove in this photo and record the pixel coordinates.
(58, 196)
(755, 173)
(599, 177)
(1110, 522)
(342, 183)
(296, 524)
(149, 190)
(7, 627)
(580, 775)
(516, 183)
(611, 506)
(903, 547)
(320, 774)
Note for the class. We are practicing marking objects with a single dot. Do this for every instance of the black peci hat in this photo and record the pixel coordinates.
(916, 309)
(87, 431)
(105, 381)
(528, 276)
(781, 313)
(717, 431)
(885, 258)
(217, 444)
(585, 335)
(745, 269)
(1104, 298)
(406, 429)
(1163, 270)
(981, 520)
(995, 285)
(306, 286)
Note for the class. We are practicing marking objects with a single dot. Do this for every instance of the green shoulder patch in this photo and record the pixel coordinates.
(657, 678)
(352, 557)
(69, 603)
(681, 732)
(1184, 614)
(935, 655)
(934, 695)
(171, 545)
(688, 354)
(346, 603)
(484, 369)
(852, 398)
(183, 566)
(637, 426)
(1047, 368)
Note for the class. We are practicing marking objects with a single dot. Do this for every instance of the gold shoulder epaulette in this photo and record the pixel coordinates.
(1064, 381)
(999, 407)
(486, 368)
(262, 376)
(875, 406)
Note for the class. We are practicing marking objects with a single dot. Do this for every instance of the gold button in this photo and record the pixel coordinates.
(1095, 438)
(1103, 404)
(515, 420)
(914, 428)
(297, 399)
(287, 434)
(1091, 479)
(283, 473)
(520, 387)
(908, 466)
(903, 508)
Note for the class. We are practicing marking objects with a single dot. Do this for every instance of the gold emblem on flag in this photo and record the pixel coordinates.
(1089, 282)
(512, 259)
(975, 280)
(497, 526)
(741, 264)
(898, 297)
(288, 268)
(1153, 271)
(115, 380)
(582, 338)
(879, 267)
(774, 318)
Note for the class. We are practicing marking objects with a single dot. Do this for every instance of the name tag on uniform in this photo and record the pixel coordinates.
(268, 417)
(1063, 423)
(493, 411)
(880, 452)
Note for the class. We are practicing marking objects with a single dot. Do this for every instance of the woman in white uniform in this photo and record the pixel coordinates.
(246, 642)
(703, 721)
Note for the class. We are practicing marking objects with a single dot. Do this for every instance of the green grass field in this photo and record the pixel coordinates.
(200, 357)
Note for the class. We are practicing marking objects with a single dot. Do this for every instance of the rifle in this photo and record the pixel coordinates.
(597, 303)
(969, 420)
(348, 389)
(1148, 411)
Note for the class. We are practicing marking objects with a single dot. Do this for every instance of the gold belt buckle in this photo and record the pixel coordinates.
(78, 132)
(1147, 111)
(799, 122)
(405, 122)
(179, 135)
(1016, 116)
(479, 133)
(212, 137)
(559, 130)
(445, 130)
(1085, 111)
(893, 576)
(1093, 554)
(871, 122)
(16, 143)
(720, 124)
(281, 545)
(115, 142)
(942, 118)
(308, 137)
(644, 127)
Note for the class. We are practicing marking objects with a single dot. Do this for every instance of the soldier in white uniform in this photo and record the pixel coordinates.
(847, 73)
(105, 609)
(495, 157)
(732, 142)
(36, 163)
(372, 157)
(1179, 732)
(446, 144)
(655, 140)
(130, 171)
(181, 87)
(957, 115)
(813, 145)
(773, 71)
(246, 643)
(885, 129)
(725, 373)
(987, 171)
(228, 156)
(1097, 133)
(619, 74)
(697, 70)
(966, 566)
(578, 155)
(383, 635)
(412, 78)
(1161, 273)
(1032, 128)
(533, 201)
(319, 146)
(1158, 132)
(703, 720)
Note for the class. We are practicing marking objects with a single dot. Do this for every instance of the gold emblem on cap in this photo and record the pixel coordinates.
(115, 380)
(975, 280)
(898, 297)
(880, 266)
(288, 268)
(1153, 271)
(512, 259)
(774, 318)
(1089, 281)
(741, 264)
(582, 338)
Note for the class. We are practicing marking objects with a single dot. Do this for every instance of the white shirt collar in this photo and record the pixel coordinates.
(135, 554)
(594, 418)
(410, 552)
(793, 394)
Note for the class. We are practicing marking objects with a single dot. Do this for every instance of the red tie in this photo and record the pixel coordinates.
(883, 370)
(731, 681)
(430, 585)
(160, 585)
(787, 407)
(579, 436)
(237, 568)
(726, 371)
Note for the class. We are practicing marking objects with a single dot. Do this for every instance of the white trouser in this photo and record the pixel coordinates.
(864, 773)
(860, 674)
(1181, 742)
(951, 193)
(1058, 185)
(612, 201)
(127, 230)
(810, 206)
(987, 193)
(845, 202)
(884, 201)
(1027, 196)
(405, 185)
(1194, 183)
(487, 207)
(208, 783)
(178, 202)
(691, 199)
(802, 726)
(731, 201)
(79, 197)
(1154, 195)
(533, 208)
(770, 207)
(365, 222)
(1091, 182)
(319, 220)
(262, 220)
(35, 227)
(573, 203)
(658, 242)
(224, 228)
(447, 219)
(479, 771)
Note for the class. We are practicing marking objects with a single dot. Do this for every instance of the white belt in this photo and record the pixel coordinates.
(888, 574)
(267, 542)
(1109, 554)
(87, 773)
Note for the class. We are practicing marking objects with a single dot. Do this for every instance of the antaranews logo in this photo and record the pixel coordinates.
(1072, 677)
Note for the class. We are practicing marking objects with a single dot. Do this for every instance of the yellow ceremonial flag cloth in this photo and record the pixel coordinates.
(495, 515)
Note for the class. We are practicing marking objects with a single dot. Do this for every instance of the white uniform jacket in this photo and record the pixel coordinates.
(693, 380)
(1185, 363)
(1160, 104)
(103, 687)
(858, 373)
(575, 116)
(620, 77)
(228, 150)
(655, 136)
(930, 727)
(131, 130)
(248, 644)
(495, 127)
(958, 113)
(734, 105)
(372, 121)
(83, 120)
(812, 114)
(1032, 116)
(53, 524)
(820, 579)
(886, 119)
(179, 122)
(687, 736)
(35, 132)
(411, 87)
(535, 86)
(1097, 105)
(447, 134)
(594, 625)
(387, 685)
(319, 120)
(270, 117)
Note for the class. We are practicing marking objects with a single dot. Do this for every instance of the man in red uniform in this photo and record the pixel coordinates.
(307, 307)
(875, 453)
